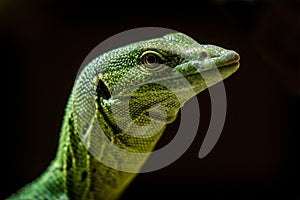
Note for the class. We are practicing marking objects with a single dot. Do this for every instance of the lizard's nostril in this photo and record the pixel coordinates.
(203, 55)
(212, 51)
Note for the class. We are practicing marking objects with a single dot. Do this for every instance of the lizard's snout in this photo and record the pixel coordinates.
(221, 57)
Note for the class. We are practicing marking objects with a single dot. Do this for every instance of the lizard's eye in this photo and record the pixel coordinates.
(151, 59)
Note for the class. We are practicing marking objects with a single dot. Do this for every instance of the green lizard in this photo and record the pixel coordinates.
(141, 74)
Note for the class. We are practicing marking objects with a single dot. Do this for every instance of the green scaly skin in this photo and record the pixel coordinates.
(105, 82)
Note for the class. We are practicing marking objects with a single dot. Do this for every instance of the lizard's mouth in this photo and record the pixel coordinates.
(218, 65)
(222, 58)
(213, 58)
(227, 63)
(228, 60)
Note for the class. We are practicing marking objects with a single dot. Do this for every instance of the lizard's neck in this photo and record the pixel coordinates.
(84, 175)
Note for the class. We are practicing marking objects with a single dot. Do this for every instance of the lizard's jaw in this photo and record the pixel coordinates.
(227, 61)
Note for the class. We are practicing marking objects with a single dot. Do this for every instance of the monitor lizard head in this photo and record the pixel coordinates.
(140, 87)
(168, 71)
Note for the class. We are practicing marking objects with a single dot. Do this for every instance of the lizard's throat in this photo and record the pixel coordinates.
(143, 119)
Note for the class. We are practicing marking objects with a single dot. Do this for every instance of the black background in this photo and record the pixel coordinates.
(43, 43)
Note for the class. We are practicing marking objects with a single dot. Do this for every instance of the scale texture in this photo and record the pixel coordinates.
(125, 97)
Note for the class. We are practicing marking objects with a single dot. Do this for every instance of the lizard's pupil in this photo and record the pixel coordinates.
(150, 60)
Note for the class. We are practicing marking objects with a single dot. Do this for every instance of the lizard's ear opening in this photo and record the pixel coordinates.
(102, 90)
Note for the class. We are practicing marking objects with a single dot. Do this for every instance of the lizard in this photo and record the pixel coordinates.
(142, 74)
